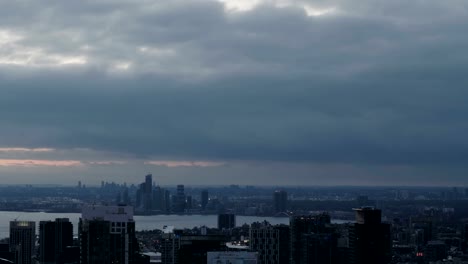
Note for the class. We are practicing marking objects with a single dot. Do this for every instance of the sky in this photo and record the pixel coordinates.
(258, 92)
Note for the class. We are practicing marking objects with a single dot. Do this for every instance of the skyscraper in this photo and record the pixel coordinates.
(107, 235)
(226, 221)
(369, 238)
(54, 237)
(148, 192)
(280, 200)
(271, 242)
(300, 226)
(320, 248)
(22, 239)
(204, 199)
(158, 199)
(180, 203)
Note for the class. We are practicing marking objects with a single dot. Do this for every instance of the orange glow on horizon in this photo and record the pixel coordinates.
(26, 149)
(39, 163)
(174, 164)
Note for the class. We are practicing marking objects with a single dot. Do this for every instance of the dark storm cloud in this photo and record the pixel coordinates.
(187, 80)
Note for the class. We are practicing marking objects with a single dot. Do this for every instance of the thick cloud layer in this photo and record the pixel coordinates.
(322, 83)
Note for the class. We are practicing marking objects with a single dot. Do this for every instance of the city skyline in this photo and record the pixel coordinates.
(208, 92)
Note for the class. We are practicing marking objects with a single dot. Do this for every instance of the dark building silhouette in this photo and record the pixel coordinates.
(22, 239)
(280, 201)
(302, 225)
(170, 244)
(204, 199)
(107, 235)
(148, 193)
(435, 251)
(423, 224)
(177, 247)
(179, 205)
(158, 199)
(188, 202)
(369, 238)
(5, 253)
(71, 255)
(319, 248)
(144, 195)
(54, 237)
(270, 242)
(194, 249)
(226, 221)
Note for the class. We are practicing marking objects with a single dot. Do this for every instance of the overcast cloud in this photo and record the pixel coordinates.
(219, 92)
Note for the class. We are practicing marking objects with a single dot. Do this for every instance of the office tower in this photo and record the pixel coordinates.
(280, 200)
(139, 201)
(320, 248)
(107, 235)
(161, 200)
(188, 202)
(125, 196)
(216, 257)
(204, 199)
(148, 192)
(194, 248)
(170, 244)
(424, 226)
(226, 221)
(179, 200)
(435, 251)
(301, 225)
(5, 253)
(177, 247)
(22, 240)
(158, 199)
(167, 201)
(54, 238)
(270, 242)
(369, 238)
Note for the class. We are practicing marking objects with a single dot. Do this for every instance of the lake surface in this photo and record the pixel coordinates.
(147, 222)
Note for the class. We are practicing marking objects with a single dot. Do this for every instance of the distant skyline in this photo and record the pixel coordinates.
(258, 92)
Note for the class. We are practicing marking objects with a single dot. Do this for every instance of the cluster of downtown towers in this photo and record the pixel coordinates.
(150, 199)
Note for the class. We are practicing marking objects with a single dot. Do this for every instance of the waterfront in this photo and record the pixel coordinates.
(149, 222)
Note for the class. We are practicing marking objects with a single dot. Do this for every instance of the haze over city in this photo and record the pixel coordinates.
(206, 92)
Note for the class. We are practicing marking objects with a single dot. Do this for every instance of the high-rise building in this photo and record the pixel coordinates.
(167, 201)
(22, 240)
(177, 247)
(226, 221)
(179, 200)
(302, 225)
(280, 200)
(158, 199)
(194, 248)
(107, 235)
(270, 242)
(54, 238)
(369, 238)
(204, 199)
(320, 248)
(435, 250)
(125, 196)
(170, 244)
(188, 202)
(148, 192)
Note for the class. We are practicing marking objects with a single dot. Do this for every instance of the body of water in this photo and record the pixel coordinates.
(147, 222)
